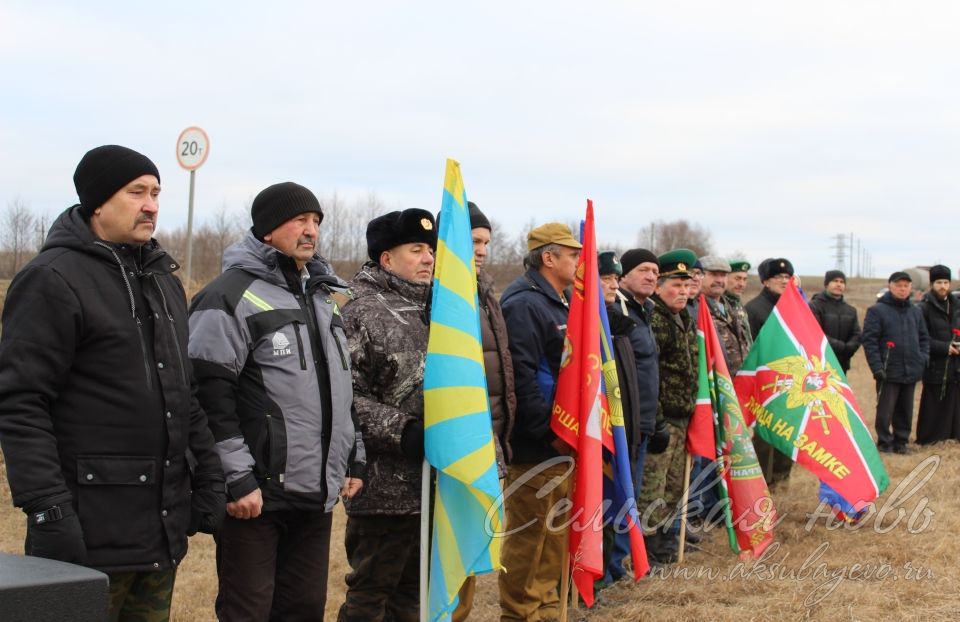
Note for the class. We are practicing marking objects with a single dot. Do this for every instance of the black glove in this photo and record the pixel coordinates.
(53, 532)
(207, 507)
(358, 470)
(411, 441)
(880, 376)
(660, 439)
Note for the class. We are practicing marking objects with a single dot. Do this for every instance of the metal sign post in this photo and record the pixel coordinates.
(193, 147)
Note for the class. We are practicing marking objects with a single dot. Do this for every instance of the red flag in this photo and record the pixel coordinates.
(580, 414)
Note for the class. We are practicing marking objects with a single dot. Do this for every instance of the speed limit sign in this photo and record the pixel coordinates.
(193, 147)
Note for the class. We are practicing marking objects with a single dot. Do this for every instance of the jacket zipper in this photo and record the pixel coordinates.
(176, 340)
(303, 359)
(143, 348)
(336, 340)
(133, 312)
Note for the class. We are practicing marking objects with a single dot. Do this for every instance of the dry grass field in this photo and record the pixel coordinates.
(900, 564)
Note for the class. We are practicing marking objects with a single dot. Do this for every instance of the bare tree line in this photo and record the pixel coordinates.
(342, 238)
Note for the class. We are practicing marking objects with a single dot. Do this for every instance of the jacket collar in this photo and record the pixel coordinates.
(540, 284)
(270, 265)
(888, 299)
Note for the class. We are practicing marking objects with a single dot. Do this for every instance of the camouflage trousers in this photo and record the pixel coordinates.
(663, 481)
(384, 554)
(141, 596)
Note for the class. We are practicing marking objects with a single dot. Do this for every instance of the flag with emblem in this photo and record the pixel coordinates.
(580, 414)
(458, 435)
(793, 392)
(620, 499)
(717, 431)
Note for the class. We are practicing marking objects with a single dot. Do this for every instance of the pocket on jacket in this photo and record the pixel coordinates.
(117, 500)
(276, 449)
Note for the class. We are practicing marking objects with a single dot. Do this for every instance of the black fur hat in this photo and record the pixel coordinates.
(396, 228)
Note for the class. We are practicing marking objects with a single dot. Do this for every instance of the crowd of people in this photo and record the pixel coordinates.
(130, 421)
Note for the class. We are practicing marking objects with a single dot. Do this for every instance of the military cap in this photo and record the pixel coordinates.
(607, 263)
(714, 263)
(739, 265)
(677, 263)
(551, 233)
(772, 267)
(396, 228)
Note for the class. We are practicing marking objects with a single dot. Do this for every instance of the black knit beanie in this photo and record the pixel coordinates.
(279, 203)
(636, 256)
(105, 170)
(477, 218)
(834, 274)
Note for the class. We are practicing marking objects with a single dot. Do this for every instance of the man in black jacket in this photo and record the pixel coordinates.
(774, 275)
(837, 318)
(897, 346)
(639, 390)
(98, 413)
(939, 416)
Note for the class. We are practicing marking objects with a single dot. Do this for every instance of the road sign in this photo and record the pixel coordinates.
(193, 147)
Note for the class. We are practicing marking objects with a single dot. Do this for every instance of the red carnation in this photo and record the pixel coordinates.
(891, 345)
(956, 332)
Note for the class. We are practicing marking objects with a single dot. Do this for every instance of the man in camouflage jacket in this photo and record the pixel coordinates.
(733, 334)
(736, 285)
(387, 328)
(676, 339)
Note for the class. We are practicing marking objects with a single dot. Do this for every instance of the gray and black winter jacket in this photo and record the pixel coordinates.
(270, 353)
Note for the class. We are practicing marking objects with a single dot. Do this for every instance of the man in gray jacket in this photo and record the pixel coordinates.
(270, 353)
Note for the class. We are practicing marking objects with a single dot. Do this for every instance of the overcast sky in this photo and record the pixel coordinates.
(774, 124)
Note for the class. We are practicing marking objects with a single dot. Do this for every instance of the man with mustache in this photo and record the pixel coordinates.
(535, 308)
(97, 408)
(939, 415)
(734, 336)
(270, 352)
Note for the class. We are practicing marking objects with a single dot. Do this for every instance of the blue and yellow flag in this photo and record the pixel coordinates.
(458, 436)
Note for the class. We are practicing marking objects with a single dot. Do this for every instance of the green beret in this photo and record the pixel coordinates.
(677, 263)
(739, 265)
(607, 263)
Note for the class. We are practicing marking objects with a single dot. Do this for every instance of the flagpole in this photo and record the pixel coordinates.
(424, 540)
(683, 505)
(565, 572)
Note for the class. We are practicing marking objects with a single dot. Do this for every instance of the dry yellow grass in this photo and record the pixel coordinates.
(900, 565)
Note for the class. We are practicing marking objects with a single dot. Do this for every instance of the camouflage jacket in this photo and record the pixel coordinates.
(741, 312)
(387, 328)
(733, 334)
(677, 342)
